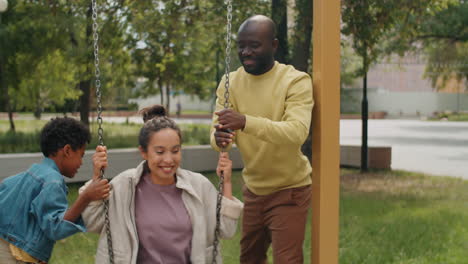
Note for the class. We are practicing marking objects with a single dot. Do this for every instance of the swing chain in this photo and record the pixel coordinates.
(218, 217)
(228, 53)
(99, 121)
(226, 105)
(97, 71)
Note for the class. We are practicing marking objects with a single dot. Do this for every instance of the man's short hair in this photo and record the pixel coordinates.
(61, 131)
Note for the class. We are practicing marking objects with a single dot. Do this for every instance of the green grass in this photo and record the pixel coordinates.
(458, 117)
(402, 217)
(463, 116)
(25, 126)
(26, 138)
(385, 217)
(193, 112)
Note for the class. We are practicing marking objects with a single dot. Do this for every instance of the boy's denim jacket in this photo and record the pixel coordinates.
(32, 206)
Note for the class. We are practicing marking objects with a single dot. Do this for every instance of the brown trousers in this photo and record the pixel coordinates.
(278, 219)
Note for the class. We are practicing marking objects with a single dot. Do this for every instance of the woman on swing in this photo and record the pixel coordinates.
(161, 213)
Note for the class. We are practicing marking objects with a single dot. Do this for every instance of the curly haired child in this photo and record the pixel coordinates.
(33, 204)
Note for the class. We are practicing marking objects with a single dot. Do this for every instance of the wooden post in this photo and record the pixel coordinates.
(325, 132)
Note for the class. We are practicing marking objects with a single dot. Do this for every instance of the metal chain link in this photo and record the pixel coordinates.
(226, 105)
(99, 121)
(228, 53)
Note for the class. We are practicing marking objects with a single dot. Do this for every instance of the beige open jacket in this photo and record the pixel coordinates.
(199, 196)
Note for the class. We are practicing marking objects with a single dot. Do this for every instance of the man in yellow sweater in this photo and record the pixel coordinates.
(269, 116)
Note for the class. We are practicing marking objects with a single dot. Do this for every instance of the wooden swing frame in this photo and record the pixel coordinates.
(326, 132)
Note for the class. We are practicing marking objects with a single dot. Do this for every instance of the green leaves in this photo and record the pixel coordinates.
(367, 23)
(378, 28)
(51, 82)
(447, 66)
(450, 23)
(163, 44)
(444, 34)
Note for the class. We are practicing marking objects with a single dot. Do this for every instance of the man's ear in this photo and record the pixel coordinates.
(275, 44)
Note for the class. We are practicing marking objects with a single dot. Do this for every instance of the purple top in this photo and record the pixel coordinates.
(163, 224)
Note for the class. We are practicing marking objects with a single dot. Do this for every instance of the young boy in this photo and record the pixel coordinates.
(34, 210)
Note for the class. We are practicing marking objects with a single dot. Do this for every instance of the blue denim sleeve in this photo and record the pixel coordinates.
(49, 208)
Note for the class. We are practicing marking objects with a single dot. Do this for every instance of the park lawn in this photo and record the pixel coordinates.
(116, 135)
(385, 217)
(30, 126)
(26, 138)
(463, 116)
(193, 112)
(458, 117)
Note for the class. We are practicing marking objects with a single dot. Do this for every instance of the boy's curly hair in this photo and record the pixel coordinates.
(61, 131)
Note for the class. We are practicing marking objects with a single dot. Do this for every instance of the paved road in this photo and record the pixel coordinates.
(438, 148)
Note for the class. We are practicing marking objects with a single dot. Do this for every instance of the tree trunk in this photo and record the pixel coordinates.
(10, 118)
(85, 85)
(301, 51)
(161, 90)
(168, 98)
(279, 15)
(364, 118)
(10, 111)
(3, 87)
(6, 96)
(302, 35)
(38, 112)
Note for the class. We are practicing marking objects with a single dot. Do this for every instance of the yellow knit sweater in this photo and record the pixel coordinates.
(278, 108)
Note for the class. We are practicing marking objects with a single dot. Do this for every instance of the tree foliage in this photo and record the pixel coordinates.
(30, 32)
(175, 44)
(448, 23)
(279, 14)
(447, 61)
(379, 28)
(301, 40)
(51, 82)
(366, 23)
(436, 29)
(445, 37)
(178, 46)
(38, 36)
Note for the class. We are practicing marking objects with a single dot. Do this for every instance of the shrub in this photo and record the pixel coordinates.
(11, 142)
(115, 136)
